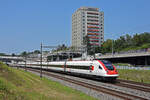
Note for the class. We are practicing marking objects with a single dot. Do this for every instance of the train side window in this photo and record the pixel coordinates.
(100, 67)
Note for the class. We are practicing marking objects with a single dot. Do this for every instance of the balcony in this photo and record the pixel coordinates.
(93, 30)
(92, 13)
(92, 17)
(93, 20)
(93, 37)
(95, 44)
(93, 23)
(94, 40)
(92, 27)
(93, 34)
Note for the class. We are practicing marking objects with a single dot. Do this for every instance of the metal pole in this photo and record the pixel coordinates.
(47, 64)
(25, 62)
(86, 51)
(17, 67)
(112, 47)
(41, 62)
(146, 61)
(94, 51)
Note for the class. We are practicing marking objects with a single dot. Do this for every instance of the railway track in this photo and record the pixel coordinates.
(118, 94)
(133, 85)
(136, 83)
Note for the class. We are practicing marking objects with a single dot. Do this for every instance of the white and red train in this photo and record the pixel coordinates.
(97, 68)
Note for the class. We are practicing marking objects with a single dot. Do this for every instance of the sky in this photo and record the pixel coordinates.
(24, 24)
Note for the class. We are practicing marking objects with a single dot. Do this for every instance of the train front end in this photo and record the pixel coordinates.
(109, 70)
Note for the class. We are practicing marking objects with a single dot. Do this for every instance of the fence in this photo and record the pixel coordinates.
(135, 68)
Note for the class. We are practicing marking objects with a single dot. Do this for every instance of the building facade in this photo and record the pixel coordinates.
(87, 21)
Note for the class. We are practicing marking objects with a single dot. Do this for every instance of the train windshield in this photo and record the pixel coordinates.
(108, 64)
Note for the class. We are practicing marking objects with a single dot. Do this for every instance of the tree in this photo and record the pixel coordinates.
(2, 54)
(61, 47)
(127, 42)
(107, 46)
(136, 40)
(13, 54)
(98, 49)
(36, 52)
(24, 54)
(145, 37)
(86, 42)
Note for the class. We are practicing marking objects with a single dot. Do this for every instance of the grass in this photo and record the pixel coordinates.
(20, 85)
(135, 75)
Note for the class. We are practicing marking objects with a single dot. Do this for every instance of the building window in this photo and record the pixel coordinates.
(92, 20)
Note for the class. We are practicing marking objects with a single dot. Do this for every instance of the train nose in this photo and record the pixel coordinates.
(112, 72)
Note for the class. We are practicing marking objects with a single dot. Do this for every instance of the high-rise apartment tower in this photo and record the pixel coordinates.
(87, 21)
